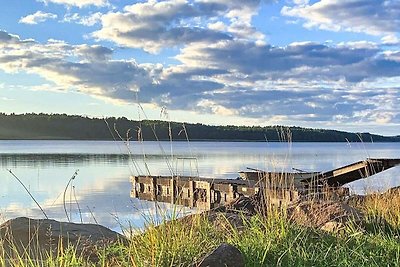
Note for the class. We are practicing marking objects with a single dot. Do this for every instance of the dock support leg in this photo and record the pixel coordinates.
(173, 190)
(134, 180)
(191, 193)
(153, 188)
(231, 195)
(208, 196)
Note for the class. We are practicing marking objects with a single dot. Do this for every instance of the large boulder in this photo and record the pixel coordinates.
(326, 215)
(33, 237)
(242, 204)
(225, 255)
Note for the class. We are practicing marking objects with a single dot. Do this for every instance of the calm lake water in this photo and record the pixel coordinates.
(100, 192)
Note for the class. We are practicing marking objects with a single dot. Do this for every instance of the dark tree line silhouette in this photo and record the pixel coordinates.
(74, 127)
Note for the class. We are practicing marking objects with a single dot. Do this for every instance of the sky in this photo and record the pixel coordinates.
(331, 64)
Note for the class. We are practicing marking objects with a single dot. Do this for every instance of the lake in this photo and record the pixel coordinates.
(101, 190)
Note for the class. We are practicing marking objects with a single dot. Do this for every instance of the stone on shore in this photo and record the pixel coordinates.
(330, 216)
(225, 255)
(33, 237)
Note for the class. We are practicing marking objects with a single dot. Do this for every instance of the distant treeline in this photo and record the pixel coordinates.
(73, 127)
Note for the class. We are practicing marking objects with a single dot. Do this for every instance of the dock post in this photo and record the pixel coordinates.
(191, 193)
(134, 180)
(153, 188)
(231, 195)
(208, 196)
(172, 186)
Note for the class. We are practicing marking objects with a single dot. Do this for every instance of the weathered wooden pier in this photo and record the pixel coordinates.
(280, 188)
(203, 193)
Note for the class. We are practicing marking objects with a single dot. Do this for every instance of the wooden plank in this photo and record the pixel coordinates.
(350, 168)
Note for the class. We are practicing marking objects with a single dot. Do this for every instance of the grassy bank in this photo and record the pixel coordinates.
(274, 240)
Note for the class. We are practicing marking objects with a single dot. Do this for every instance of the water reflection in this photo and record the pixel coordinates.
(102, 187)
(54, 160)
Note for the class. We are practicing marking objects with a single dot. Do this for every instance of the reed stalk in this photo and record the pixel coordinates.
(29, 193)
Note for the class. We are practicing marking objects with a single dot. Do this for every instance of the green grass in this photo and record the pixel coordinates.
(276, 242)
(264, 242)
(175, 243)
(272, 241)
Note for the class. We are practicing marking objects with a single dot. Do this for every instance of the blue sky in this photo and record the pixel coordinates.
(323, 64)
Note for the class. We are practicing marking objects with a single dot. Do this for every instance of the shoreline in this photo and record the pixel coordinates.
(327, 220)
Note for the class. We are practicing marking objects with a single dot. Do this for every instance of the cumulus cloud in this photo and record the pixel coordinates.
(74, 17)
(93, 53)
(366, 16)
(90, 69)
(302, 82)
(153, 25)
(8, 38)
(89, 20)
(37, 17)
(390, 39)
(93, 73)
(77, 3)
(303, 61)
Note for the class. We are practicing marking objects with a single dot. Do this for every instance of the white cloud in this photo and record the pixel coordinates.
(93, 73)
(301, 2)
(303, 82)
(217, 26)
(153, 25)
(89, 20)
(366, 16)
(74, 17)
(390, 39)
(77, 3)
(37, 17)
(212, 107)
(49, 87)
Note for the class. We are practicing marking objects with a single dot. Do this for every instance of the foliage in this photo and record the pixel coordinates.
(271, 241)
(73, 127)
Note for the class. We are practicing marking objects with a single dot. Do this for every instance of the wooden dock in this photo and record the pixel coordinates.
(203, 193)
(278, 188)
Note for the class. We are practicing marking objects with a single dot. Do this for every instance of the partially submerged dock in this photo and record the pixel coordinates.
(279, 188)
(194, 192)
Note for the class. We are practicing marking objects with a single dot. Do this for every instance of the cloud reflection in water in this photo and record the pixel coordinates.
(102, 187)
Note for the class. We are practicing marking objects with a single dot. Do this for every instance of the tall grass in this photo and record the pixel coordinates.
(264, 241)
(271, 240)
(277, 242)
(382, 208)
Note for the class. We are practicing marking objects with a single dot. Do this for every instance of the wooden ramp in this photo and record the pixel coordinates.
(355, 171)
(334, 178)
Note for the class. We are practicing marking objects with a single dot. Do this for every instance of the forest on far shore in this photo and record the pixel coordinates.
(73, 127)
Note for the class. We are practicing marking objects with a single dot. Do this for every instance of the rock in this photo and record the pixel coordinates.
(225, 255)
(327, 215)
(228, 220)
(33, 236)
(222, 221)
(242, 204)
(332, 226)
